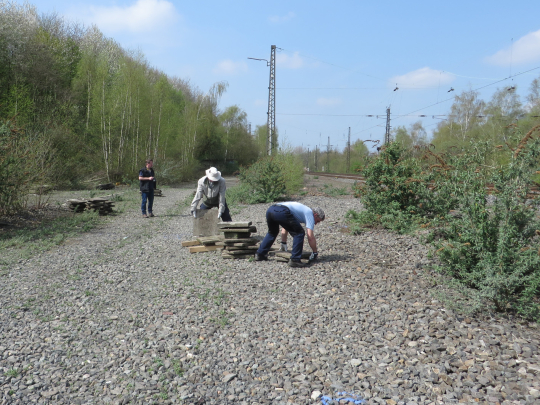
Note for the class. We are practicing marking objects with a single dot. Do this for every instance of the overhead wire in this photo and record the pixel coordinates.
(391, 96)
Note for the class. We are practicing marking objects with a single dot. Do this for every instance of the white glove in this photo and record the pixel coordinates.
(283, 247)
(219, 215)
(194, 213)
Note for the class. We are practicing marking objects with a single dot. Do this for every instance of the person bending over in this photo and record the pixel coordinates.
(290, 215)
(211, 189)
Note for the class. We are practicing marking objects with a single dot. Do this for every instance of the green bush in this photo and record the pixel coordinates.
(265, 179)
(398, 192)
(493, 245)
(293, 171)
(23, 163)
(269, 179)
(490, 245)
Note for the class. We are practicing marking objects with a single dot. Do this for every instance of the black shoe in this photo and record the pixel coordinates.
(296, 263)
(260, 258)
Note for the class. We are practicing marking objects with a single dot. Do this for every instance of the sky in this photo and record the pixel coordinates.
(336, 63)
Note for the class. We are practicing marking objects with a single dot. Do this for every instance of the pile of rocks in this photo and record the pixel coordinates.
(102, 205)
(237, 240)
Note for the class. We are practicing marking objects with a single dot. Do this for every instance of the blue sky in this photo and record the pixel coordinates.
(338, 61)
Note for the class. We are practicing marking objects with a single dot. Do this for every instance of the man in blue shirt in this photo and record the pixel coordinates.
(290, 215)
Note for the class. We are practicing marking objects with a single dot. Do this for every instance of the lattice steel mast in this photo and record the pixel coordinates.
(271, 122)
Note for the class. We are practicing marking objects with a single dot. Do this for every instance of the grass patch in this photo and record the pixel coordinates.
(23, 243)
(332, 191)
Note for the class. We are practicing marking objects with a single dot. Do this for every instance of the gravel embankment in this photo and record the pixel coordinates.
(124, 314)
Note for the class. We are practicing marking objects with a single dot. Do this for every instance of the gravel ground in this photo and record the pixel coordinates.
(124, 314)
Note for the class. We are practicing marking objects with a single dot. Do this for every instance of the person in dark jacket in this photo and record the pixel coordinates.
(147, 184)
(211, 189)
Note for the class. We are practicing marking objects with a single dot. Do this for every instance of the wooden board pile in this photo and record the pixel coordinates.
(237, 241)
(101, 205)
(203, 244)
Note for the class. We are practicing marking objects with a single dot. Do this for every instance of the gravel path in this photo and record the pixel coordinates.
(124, 314)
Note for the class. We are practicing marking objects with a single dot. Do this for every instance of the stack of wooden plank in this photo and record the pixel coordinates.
(237, 240)
(77, 205)
(203, 244)
(102, 205)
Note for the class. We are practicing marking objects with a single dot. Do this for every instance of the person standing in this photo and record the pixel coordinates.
(211, 189)
(290, 215)
(147, 184)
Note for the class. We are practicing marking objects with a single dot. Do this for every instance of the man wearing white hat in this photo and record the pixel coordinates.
(211, 189)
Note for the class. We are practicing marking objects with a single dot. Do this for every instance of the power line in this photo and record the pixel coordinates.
(478, 88)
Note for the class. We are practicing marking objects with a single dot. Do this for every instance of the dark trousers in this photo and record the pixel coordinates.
(147, 197)
(278, 215)
(225, 217)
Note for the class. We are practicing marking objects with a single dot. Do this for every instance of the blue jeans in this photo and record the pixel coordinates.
(225, 217)
(150, 197)
(278, 215)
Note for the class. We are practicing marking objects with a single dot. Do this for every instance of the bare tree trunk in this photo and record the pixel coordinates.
(149, 141)
(138, 126)
(88, 101)
(122, 135)
(103, 126)
(158, 129)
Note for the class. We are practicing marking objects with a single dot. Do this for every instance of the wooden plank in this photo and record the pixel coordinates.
(209, 240)
(236, 235)
(227, 256)
(234, 224)
(197, 249)
(251, 247)
(287, 255)
(240, 240)
(213, 248)
(237, 244)
(240, 252)
(190, 243)
(251, 229)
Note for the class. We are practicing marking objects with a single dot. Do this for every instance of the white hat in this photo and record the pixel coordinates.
(213, 174)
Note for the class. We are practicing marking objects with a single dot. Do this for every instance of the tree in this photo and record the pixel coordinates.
(466, 115)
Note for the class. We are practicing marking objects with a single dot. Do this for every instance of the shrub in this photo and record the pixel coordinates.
(269, 179)
(400, 187)
(265, 180)
(293, 171)
(493, 245)
(23, 161)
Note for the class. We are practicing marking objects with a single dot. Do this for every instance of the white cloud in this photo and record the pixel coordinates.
(279, 19)
(290, 62)
(143, 16)
(424, 77)
(328, 101)
(524, 50)
(230, 67)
